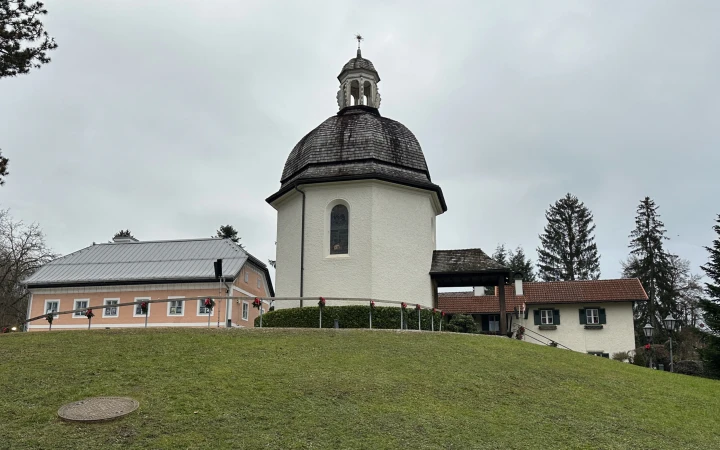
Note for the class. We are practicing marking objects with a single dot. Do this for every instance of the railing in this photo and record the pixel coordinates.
(257, 302)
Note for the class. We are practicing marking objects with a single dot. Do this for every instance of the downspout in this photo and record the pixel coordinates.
(228, 303)
(302, 245)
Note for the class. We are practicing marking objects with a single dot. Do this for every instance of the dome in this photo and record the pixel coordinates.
(359, 63)
(357, 144)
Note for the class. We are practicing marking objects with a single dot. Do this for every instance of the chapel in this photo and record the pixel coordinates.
(356, 209)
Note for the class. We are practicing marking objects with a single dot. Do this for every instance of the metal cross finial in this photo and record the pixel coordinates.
(359, 38)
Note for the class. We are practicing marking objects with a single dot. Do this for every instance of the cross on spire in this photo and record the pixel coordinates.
(359, 38)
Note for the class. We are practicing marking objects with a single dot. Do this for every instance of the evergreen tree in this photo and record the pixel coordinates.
(711, 306)
(124, 234)
(500, 255)
(229, 232)
(568, 251)
(3, 168)
(649, 262)
(24, 43)
(519, 263)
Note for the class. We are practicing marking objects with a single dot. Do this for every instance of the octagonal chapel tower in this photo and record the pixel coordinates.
(356, 206)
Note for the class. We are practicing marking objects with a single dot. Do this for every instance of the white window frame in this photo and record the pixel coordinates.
(246, 276)
(52, 300)
(117, 309)
(259, 282)
(596, 316)
(201, 305)
(546, 317)
(135, 307)
(245, 311)
(87, 306)
(170, 303)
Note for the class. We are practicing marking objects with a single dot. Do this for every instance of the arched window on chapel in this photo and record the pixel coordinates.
(339, 224)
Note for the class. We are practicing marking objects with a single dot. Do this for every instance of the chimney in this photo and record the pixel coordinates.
(518, 284)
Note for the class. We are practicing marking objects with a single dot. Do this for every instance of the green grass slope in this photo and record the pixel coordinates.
(340, 389)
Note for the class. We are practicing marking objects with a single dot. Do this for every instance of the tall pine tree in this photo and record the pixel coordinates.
(568, 251)
(649, 262)
(711, 306)
(500, 255)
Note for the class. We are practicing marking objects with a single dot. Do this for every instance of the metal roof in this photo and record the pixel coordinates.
(149, 261)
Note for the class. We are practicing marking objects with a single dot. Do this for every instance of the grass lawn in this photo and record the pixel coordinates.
(338, 389)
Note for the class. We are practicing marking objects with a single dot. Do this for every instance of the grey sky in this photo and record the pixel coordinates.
(171, 118)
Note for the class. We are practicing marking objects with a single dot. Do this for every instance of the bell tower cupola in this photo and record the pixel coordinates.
(358, 82)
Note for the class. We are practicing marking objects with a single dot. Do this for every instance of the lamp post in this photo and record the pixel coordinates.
(670, 326)
(648, 330)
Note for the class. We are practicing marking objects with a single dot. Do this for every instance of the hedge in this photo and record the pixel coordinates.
(352, 316)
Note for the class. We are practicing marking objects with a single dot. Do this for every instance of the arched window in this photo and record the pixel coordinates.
(367, 94)
(354, 93)
(339, 223)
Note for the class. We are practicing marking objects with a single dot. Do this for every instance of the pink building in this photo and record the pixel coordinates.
(127, 270)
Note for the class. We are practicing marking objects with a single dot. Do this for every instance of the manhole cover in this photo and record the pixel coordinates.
(96, 409)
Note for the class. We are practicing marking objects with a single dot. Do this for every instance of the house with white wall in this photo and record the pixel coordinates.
(592, 316)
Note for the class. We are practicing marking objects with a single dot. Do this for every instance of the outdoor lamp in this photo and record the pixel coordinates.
(648, 330)
(670, 323)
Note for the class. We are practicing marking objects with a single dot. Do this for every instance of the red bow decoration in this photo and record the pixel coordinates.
(321, 303)
(89, 314)
(418, 307)
(403, 305)
(144, 307)
(372, 304)
(442, 313)
(256, 303)
(647, 346)
(209, 303)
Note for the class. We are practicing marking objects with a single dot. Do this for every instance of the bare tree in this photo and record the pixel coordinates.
(22, 252)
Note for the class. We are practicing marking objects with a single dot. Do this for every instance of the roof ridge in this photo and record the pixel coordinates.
(161, 241)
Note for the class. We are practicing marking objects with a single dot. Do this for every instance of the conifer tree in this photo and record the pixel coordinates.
(711, 306)
(518, 262)
(229, 232)
(649, 262)
(24, 43)
(567, 246)
(500, 255)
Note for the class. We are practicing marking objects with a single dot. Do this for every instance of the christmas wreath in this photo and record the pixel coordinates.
(89, 314)
(321, 302)
(372, 304)
(209, 303)
(257, 303)
(520, 333)
(418, 307)
(144, 307)
(403, 305)
(49, 317)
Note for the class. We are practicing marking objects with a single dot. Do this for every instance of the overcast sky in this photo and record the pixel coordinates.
(170, 118)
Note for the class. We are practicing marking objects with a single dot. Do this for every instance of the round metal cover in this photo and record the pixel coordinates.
(97, 409)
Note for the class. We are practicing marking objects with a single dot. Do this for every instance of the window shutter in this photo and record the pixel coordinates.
(556, 317)
(583, 317)
(603, 319)
(536, 313)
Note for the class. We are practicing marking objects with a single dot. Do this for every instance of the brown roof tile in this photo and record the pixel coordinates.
(542, 293)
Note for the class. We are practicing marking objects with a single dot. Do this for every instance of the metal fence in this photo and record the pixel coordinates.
(258, 303)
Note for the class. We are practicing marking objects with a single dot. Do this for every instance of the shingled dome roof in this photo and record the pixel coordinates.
(359, 63)
(356, 144)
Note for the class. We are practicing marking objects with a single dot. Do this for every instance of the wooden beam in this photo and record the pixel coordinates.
(501, 295)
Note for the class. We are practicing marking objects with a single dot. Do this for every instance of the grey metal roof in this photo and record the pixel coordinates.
(471, 260)
(357, 143)
(359, 63)
(149, 261)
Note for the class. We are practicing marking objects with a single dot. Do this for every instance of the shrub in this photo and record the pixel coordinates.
(659, 353)
(689, 367)
(351, 316)
(462, 323)
(622, 356)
